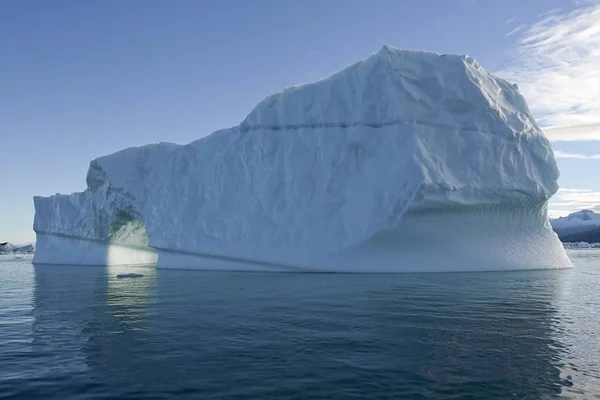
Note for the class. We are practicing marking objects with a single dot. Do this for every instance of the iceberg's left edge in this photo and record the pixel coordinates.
(76, 230)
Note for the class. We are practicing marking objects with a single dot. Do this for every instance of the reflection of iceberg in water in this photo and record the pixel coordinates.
(416, 333)
(476, 329)
(222, 333)
(119, 345)
(64, 302)
(77, 311)
(127, 299)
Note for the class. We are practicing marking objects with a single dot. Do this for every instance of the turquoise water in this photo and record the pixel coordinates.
(81, 332)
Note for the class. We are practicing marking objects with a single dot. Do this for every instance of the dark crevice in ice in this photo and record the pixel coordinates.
(245, 127)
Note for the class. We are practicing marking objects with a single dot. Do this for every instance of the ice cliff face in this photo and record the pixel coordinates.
(395, 163)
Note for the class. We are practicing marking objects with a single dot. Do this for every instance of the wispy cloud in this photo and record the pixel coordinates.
(566, 201)
(570, 190)
(511, 20)
(557, 66)
(563, 154)
(574, 132)
(553, 213)
(516, 30)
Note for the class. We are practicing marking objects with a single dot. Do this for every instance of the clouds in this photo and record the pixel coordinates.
(557, 65)
(564, 154)
(516, 30)
(567, 200)
(574, 132)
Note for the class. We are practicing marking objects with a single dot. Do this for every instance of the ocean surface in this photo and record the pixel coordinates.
(82, 332)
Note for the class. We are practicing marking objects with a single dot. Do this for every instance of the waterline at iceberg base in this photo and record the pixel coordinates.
(406, 161)
(477, 239)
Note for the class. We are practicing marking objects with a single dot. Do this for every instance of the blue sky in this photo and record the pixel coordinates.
(81, 79)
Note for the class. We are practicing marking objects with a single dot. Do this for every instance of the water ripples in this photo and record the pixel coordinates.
(80, 332)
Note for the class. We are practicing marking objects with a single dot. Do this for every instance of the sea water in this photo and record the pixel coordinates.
(84, 332)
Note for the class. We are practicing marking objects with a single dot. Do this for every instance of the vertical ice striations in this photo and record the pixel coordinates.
(405, 161)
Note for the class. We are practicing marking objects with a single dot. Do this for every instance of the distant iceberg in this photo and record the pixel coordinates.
(10, 248)
(405, 161)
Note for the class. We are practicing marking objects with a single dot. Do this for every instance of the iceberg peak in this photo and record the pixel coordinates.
(387, 48)
(395, 86)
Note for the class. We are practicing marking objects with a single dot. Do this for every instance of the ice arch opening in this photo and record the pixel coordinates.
(125, 242)
(128, 241)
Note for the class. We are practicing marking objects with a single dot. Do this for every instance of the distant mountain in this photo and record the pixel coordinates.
(580, 226)
(9, 248)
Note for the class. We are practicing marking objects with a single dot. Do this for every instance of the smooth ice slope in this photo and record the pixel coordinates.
(405, 161)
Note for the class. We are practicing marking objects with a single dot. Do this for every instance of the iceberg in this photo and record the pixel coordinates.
(406, 161)
(10, 248)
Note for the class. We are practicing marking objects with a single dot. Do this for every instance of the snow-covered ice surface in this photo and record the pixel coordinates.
(580, 226)
(582, 218)
(404, 161)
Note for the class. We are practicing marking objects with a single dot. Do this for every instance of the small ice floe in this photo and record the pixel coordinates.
(129, 275)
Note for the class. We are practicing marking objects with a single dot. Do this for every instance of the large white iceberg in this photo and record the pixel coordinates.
(404, 161)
